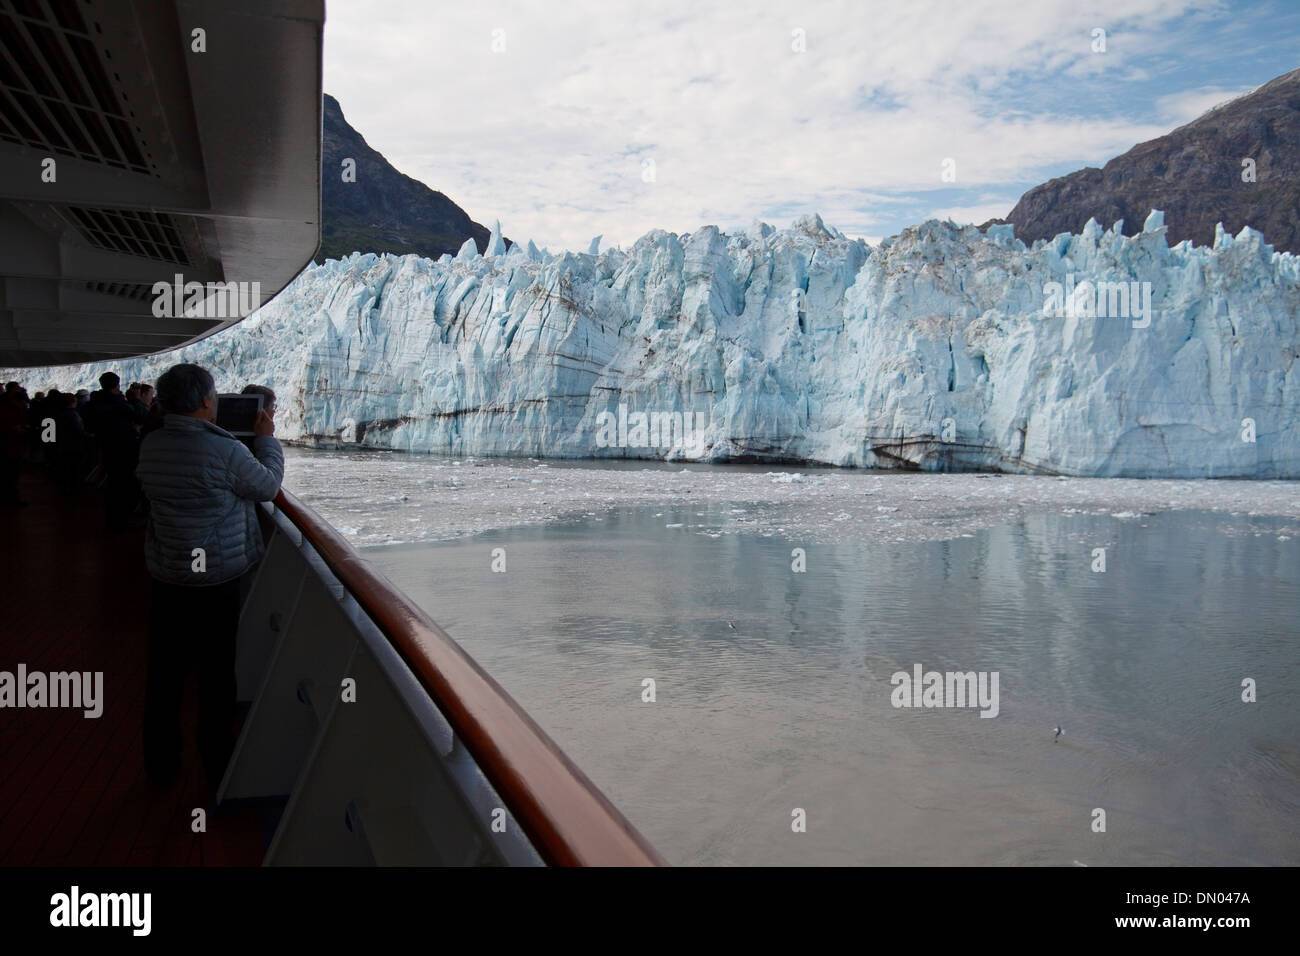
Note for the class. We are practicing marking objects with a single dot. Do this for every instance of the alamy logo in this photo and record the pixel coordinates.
(75, 908)
(651, 430)
(948, 689)
(198, 300)
(79, 690)
(1099, 300)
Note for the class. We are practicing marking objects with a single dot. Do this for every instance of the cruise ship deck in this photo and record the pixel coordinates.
(75, 792)
(420, 759)
(367, 736)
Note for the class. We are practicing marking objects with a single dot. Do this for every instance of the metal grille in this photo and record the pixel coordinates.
(153, 235)
(54, 91)
(136, 291)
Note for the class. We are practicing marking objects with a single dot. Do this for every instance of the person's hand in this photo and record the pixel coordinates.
(265, 424)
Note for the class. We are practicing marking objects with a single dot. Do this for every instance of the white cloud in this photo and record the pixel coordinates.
(550, 134)
(1182, 108)
(974, 215)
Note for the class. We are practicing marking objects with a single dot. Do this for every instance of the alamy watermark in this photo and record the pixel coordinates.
(947, 689)
(654, 429)
(80, 690)
(199, 300)
(76, 908)
(1101, 299)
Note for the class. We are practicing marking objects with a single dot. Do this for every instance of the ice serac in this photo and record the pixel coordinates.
(932, 350)
(496, 246)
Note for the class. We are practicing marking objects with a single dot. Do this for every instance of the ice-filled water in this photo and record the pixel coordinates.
(772, 685)
(392, 497)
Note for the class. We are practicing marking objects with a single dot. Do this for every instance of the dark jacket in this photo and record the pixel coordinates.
(69, 434)
(113, 421)
(13, 426)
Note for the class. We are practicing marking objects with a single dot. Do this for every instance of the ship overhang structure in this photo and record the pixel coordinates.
(159, 169)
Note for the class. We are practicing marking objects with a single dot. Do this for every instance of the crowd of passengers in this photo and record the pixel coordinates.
(86, 439)
(158, 452)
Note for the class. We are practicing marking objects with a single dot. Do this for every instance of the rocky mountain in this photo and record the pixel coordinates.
(383, 210)
(1194, 174)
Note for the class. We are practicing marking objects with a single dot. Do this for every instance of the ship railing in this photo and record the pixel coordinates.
(382, 740)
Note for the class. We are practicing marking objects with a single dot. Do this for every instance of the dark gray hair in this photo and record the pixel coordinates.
(182, 388)
(265, 391)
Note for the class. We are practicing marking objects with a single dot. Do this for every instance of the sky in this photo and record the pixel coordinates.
(575, 119)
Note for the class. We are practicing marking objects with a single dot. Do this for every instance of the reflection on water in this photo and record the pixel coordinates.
(1142, 666)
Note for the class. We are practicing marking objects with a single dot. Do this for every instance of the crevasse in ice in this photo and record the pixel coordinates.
(943, 347)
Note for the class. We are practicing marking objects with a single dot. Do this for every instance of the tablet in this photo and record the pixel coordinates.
(237, 414)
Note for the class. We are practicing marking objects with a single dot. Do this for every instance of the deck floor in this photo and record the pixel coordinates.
(73, 791)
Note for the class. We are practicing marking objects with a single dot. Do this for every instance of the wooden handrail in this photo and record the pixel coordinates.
(569, 821)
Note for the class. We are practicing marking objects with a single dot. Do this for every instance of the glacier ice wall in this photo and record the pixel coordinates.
(931, 350)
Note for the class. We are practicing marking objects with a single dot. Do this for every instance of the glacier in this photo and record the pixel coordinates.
(937, 349)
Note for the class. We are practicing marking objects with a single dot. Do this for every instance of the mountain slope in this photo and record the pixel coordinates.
(1194, 174)
(383, 210)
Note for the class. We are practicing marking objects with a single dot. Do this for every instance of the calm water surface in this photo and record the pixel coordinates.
(1142, 666)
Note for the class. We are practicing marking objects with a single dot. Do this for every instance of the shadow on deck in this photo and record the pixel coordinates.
(73, 791)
